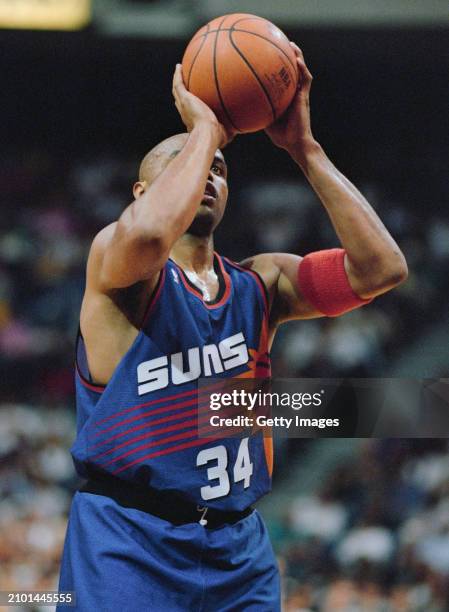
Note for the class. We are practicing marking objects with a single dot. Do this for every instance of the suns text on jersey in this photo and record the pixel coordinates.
(208, 360)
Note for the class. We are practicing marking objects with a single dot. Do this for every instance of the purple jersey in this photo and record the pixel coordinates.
(143, 426)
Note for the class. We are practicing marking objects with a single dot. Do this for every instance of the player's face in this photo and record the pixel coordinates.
(213, 204)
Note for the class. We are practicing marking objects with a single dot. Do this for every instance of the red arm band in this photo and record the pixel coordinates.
(323, 281)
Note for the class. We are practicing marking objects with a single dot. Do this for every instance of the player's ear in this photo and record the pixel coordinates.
(139, 188)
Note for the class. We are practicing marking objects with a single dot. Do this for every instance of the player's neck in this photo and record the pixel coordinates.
(194, 253)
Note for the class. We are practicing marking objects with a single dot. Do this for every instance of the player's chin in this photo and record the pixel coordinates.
(204, 222)
(208, 201)
(205, 209)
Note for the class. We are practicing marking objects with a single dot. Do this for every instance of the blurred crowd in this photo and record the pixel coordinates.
(36, 482)
(374, 537)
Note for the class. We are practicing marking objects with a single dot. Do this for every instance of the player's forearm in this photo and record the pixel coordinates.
(374, 259)
(168, 206)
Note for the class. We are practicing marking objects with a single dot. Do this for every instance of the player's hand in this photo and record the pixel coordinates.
(293, 130)
(194, 111)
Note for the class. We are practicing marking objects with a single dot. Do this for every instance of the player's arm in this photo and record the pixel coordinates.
(136, 247)
(370, 262)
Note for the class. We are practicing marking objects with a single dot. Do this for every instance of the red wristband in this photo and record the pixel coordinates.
(323, 281)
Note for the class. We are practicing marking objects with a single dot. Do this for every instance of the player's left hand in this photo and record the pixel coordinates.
(293, 129)
(193, 110)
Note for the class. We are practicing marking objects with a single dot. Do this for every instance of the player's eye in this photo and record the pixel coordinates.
(217, 169)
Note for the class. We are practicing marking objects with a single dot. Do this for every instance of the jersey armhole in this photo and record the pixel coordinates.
(263, 290)
(82, 367)
(154, 296)
(81, 363)
(259, 282)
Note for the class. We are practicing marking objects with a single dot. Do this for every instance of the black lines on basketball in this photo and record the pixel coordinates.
(271, 43)
(217, 84)
(256, 76)
(234, 29)
(253, 18)
(209, 31)
(196, 55)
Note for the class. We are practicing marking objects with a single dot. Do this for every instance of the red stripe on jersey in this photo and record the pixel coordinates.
(190, 424)
(190, 402)
(166, 451)
(172, 417)
(176, 437)
(166, 440)
(146, 425)
(158, 401)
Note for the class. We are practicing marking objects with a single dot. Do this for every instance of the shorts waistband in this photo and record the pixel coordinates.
(163, 504)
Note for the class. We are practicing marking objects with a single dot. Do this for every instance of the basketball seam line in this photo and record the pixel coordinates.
(197, 53)
(217, 85)
(273, 110)
(224, 29)
(254, 34)
(271, 43)
(253, 18)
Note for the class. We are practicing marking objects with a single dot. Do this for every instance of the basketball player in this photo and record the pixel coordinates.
(165, 522)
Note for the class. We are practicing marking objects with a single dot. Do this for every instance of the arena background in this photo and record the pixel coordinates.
(357, 524)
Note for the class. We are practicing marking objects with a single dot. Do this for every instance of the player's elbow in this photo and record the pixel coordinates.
(385, 274)
(399, 272)
(396, 269)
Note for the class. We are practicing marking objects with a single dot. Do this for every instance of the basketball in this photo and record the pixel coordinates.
(244, 68)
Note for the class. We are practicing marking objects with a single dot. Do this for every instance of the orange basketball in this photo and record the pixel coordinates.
(244, 68)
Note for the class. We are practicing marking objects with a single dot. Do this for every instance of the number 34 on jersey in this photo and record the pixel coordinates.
(221, 473)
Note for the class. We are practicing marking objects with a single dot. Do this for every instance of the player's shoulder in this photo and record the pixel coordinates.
(257, 263)
(97, 251)
(100, 244)
(264, 265)
(273, 267)
(102, 238)
(271, 263)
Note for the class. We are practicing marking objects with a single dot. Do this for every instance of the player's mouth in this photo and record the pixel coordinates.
(210, 194)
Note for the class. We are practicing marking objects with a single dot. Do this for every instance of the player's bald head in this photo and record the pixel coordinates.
(157, 159)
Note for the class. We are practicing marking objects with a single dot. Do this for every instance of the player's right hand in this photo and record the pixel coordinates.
(194, 111)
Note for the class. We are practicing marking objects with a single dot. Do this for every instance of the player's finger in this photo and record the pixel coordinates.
(178, 83)
(297, 50)
(179, 108)
(177, 90)
(175, 76)
(304, 71)
(177, 100)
